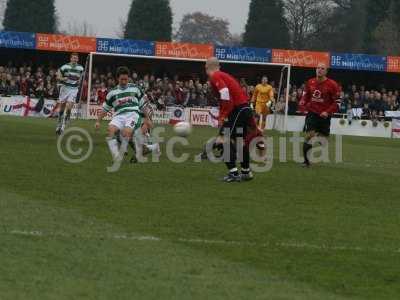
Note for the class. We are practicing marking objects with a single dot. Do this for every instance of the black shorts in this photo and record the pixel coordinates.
(238, 122)
(316, 123)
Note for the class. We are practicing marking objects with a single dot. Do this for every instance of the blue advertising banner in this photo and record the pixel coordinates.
(20, 40)
(243, 54)
(125, 47)
(358, 62)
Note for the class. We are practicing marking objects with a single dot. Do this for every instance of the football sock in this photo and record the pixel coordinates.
(124, 146)
(245, 164)
(132, 145)
(246, 171)
(60, 118)
(67, 116)
(306, 147)
(231, 156)
(139, 142)
(153, 148)
(113, 146)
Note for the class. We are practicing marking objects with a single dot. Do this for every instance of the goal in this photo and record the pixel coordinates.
(184, 67)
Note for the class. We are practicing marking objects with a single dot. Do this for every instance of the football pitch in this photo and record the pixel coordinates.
(174, 231)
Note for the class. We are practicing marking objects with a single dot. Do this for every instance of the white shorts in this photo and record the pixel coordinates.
(130, 120)
(68, 94)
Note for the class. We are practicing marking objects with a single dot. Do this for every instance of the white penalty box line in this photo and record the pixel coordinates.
(238, 244)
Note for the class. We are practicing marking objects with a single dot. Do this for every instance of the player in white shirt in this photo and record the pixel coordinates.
(69, 76)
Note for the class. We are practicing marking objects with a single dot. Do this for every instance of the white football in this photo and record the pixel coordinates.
(183, 129)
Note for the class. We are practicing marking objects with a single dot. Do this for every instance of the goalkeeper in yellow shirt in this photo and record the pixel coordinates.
(263, 99)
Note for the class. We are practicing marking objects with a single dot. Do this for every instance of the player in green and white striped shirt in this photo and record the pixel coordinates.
(69, 76)
(127, 101)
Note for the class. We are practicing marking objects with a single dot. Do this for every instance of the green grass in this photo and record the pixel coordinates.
(77, 232)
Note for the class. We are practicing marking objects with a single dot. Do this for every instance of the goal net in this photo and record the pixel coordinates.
(161, 77)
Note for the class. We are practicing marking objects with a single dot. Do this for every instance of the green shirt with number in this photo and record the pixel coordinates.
(72, 75)
(124, 99)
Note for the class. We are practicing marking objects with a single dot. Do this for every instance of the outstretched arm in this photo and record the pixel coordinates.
(60, 76)
(306, 99)
(255, 96)
(333, 108)
(106, 109)
(100, 118)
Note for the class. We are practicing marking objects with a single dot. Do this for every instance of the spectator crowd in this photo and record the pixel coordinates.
(188, 92)
(356, 101)
(360, 103)
(26, 81)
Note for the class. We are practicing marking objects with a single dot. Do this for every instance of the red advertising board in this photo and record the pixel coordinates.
(307, 59)
(393, 64)
(65, 43)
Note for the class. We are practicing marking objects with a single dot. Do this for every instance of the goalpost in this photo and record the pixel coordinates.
(285, 72)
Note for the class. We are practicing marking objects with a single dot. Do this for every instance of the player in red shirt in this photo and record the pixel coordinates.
(235, 120)
(102, 94)
(320, 99)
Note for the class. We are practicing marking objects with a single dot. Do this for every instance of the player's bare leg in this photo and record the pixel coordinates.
(259, 121)
(255, 132)
(263, 122)
(56, 109)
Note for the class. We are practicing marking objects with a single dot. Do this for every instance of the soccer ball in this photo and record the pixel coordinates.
(183, 129)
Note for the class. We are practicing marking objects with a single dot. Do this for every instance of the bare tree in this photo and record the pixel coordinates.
(387, 34)
(3, 5)
(120, 32)
(344, 4)
(236, 40)
(203, 28)
(79, 28)
(306, 18)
